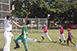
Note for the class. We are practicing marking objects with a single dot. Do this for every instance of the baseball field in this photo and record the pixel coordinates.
(40, 45)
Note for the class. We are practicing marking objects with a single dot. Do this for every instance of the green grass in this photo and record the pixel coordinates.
(45, 45)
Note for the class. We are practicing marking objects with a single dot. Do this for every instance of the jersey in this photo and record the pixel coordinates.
(45, 29)
(7, 24)
(70, 35)
(61, 31)
(24, 31)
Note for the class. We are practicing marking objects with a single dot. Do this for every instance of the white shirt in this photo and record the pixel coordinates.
(7, 25)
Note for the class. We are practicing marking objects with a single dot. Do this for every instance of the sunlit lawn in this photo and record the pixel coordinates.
(40, 45)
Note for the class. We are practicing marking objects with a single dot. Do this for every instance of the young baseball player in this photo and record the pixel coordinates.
(28, 40)
(61, 35)
(45, 33)
(70, 37)
(8, 30)
(24, 33)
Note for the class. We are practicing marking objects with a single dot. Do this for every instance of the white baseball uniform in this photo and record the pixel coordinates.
(47, 35)
(62, 36)
(7, 34)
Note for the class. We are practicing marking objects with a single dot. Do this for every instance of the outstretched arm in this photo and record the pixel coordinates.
(27, 16)
(11, 10)
(17, 24)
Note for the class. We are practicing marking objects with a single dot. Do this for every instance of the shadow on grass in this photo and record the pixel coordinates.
(54, 41)
(67, 45)
(47, 42)
(1, 49)
(43, 42)
(64, 44)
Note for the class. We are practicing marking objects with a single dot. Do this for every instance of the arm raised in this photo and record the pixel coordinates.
(17, 24)
(27, 15)
(11, 10)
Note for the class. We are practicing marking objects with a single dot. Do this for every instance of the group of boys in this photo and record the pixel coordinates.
(8, 32)
(70, 36)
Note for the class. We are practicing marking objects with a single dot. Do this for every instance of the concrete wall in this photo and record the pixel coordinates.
(4, 8)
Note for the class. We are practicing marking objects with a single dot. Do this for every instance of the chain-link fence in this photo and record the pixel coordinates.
(35, 23)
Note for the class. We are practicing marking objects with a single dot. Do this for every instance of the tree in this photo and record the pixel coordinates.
(59, 10)
(18, 8)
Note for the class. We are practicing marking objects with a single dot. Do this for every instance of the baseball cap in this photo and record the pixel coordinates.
(69, 29)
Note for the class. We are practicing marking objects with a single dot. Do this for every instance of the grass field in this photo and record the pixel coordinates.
(40, 45)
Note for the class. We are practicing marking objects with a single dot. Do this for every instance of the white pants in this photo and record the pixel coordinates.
(28, 40)
(62, 36)
(47, 35)
(7, 36)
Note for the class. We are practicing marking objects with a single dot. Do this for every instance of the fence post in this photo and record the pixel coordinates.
(38, 24)
(31, 25)
(16, 26)
(47, 22)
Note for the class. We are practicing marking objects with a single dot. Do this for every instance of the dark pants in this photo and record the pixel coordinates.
(70, 41)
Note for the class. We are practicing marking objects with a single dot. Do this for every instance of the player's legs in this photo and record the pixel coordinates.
(48, 37)
(29, 40)
(8, 41)
(60, 38)
(63, 38)
(8, 48)
(24, 43)
(17, 38)
(68, 41)
(16, 41)
(10, 34)
(43, 36)
(72, 42)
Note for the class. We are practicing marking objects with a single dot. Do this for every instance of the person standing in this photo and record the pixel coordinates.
(8, 30)
(70, 36)
(45, 33)
(62, 35)
(24, 34)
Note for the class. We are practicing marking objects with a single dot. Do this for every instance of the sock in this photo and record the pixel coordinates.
(17, 44)
(26, 50)
(75, 44)
(60, 40)
(42, 37)
(64, 41)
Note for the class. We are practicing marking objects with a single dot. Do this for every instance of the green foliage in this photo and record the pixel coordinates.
(23, 13)
(40, 9)
(18, 7)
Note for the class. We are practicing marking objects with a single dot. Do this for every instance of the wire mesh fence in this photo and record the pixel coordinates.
(35, 23)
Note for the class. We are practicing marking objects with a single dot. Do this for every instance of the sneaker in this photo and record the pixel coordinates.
(59, 42)
(16, 47)
(64, 42)
(42, 38)
(50, 40)
(67, 44)
(75, 45)
(34, 40)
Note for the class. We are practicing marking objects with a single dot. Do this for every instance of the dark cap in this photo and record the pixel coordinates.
(9, 16)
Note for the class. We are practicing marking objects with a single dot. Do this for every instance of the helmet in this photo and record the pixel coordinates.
(69, 29)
